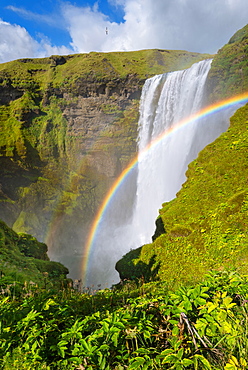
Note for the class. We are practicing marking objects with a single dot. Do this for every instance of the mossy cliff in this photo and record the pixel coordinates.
(229, 71)
(205, 226)
(69, 126)
(24, 264)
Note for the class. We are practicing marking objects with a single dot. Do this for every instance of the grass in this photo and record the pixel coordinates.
(205, 226)
(41, 74)
(229, 71)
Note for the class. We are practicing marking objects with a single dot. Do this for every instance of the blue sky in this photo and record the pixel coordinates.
(45, 27)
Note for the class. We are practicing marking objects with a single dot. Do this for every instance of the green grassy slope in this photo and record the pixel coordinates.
(205, 226)
(65, 71)
(31, 92)
(229, 71)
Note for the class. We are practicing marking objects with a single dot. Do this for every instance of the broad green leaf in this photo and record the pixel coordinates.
(229, 366)
(186, 362)
(104, 347)
(105, 326)
(170, 358)
(211, 306)
(234, 361)
(204, 361)
(227, 302)
(243, 362)
(48, 303)
(138, 361)
(120, 325)
(85, 344)
(114, 339)
(200, 301)
(180, 353)
(102, 364)
(166, 352)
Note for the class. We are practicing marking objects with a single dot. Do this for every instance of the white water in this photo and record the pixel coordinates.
(166, 100)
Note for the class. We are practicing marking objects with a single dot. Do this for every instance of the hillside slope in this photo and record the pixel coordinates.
(205, 226)
(229, 71)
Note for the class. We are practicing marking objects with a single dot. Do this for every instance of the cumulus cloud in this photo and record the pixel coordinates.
(86, 27)
(16, 43)
(193, 25)
(190, 25)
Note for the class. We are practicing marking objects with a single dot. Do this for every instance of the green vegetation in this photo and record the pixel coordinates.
(205, 227)
(166, 313)
(201, 327)
(229, 71)
(24, 263)
(69, 128)
(66, 71)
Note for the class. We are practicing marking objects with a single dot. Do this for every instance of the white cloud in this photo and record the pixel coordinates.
(191, 25)
(16, 43)
(86, 27)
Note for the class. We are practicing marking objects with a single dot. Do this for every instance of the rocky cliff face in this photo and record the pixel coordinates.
(69, 127)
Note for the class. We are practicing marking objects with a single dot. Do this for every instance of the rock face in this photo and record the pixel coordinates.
(69, 127)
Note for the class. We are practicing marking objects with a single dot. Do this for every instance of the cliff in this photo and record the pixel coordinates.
(69, 126)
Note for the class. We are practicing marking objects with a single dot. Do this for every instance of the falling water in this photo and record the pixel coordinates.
(166, 100)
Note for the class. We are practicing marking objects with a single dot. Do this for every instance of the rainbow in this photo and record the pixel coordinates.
(221, 105)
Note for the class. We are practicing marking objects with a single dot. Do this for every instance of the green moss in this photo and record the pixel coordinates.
(41, 74)
(180, 231)
(206, 225)
(229, 71)
(24, 259)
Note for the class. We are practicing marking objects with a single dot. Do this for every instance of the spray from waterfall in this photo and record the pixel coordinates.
(166, 99)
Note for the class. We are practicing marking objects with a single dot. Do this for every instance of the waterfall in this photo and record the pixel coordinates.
(166, 99)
